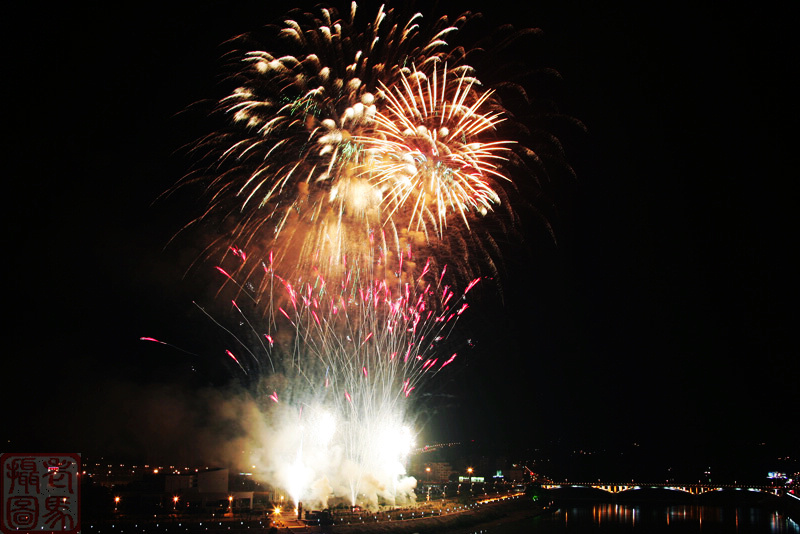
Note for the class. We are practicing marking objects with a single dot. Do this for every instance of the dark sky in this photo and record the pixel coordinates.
(662, 312)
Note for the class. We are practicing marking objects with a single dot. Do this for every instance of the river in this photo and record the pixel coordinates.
(650, 518)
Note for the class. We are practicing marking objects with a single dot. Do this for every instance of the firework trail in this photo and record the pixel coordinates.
(357, 330)
(343, 365)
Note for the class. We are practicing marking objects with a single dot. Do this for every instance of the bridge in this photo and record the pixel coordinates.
(692, 489)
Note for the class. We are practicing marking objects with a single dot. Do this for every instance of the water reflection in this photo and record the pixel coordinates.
(681, 518)
(611, 518)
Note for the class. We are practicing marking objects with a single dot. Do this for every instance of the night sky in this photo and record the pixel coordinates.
(660, 310)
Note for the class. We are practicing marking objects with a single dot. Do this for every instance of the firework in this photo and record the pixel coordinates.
(429, 148)
(381, 130)
(341, 370)
(353, 167)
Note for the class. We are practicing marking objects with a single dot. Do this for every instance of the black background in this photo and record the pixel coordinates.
(662, 311)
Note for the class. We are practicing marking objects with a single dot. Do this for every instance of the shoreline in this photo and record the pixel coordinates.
(488, 515)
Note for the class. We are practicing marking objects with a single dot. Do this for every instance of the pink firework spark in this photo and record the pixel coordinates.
(220, 269)
(154, 340)
(229, 353)
(241, 254)
(449, 361)
(425, 269)
(471, 285)
(447, 295)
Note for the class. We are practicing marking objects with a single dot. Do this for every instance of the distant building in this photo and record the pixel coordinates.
(175, 484)
(207, 489)
(777, 476)
(212, 481)
(515, 474)
(437, 472)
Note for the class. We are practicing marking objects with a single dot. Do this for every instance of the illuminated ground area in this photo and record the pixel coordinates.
(440, 515)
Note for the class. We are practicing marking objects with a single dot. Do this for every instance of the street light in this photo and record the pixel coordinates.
(116, 503)
(175, 502)
(428, 471)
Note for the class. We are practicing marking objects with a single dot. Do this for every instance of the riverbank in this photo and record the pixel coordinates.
(488, 515)
(790, 505)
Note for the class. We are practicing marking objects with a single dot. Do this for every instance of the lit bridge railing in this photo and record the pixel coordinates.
(693, 489)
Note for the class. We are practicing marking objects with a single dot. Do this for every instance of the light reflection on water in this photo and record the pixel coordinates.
(648, 518)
